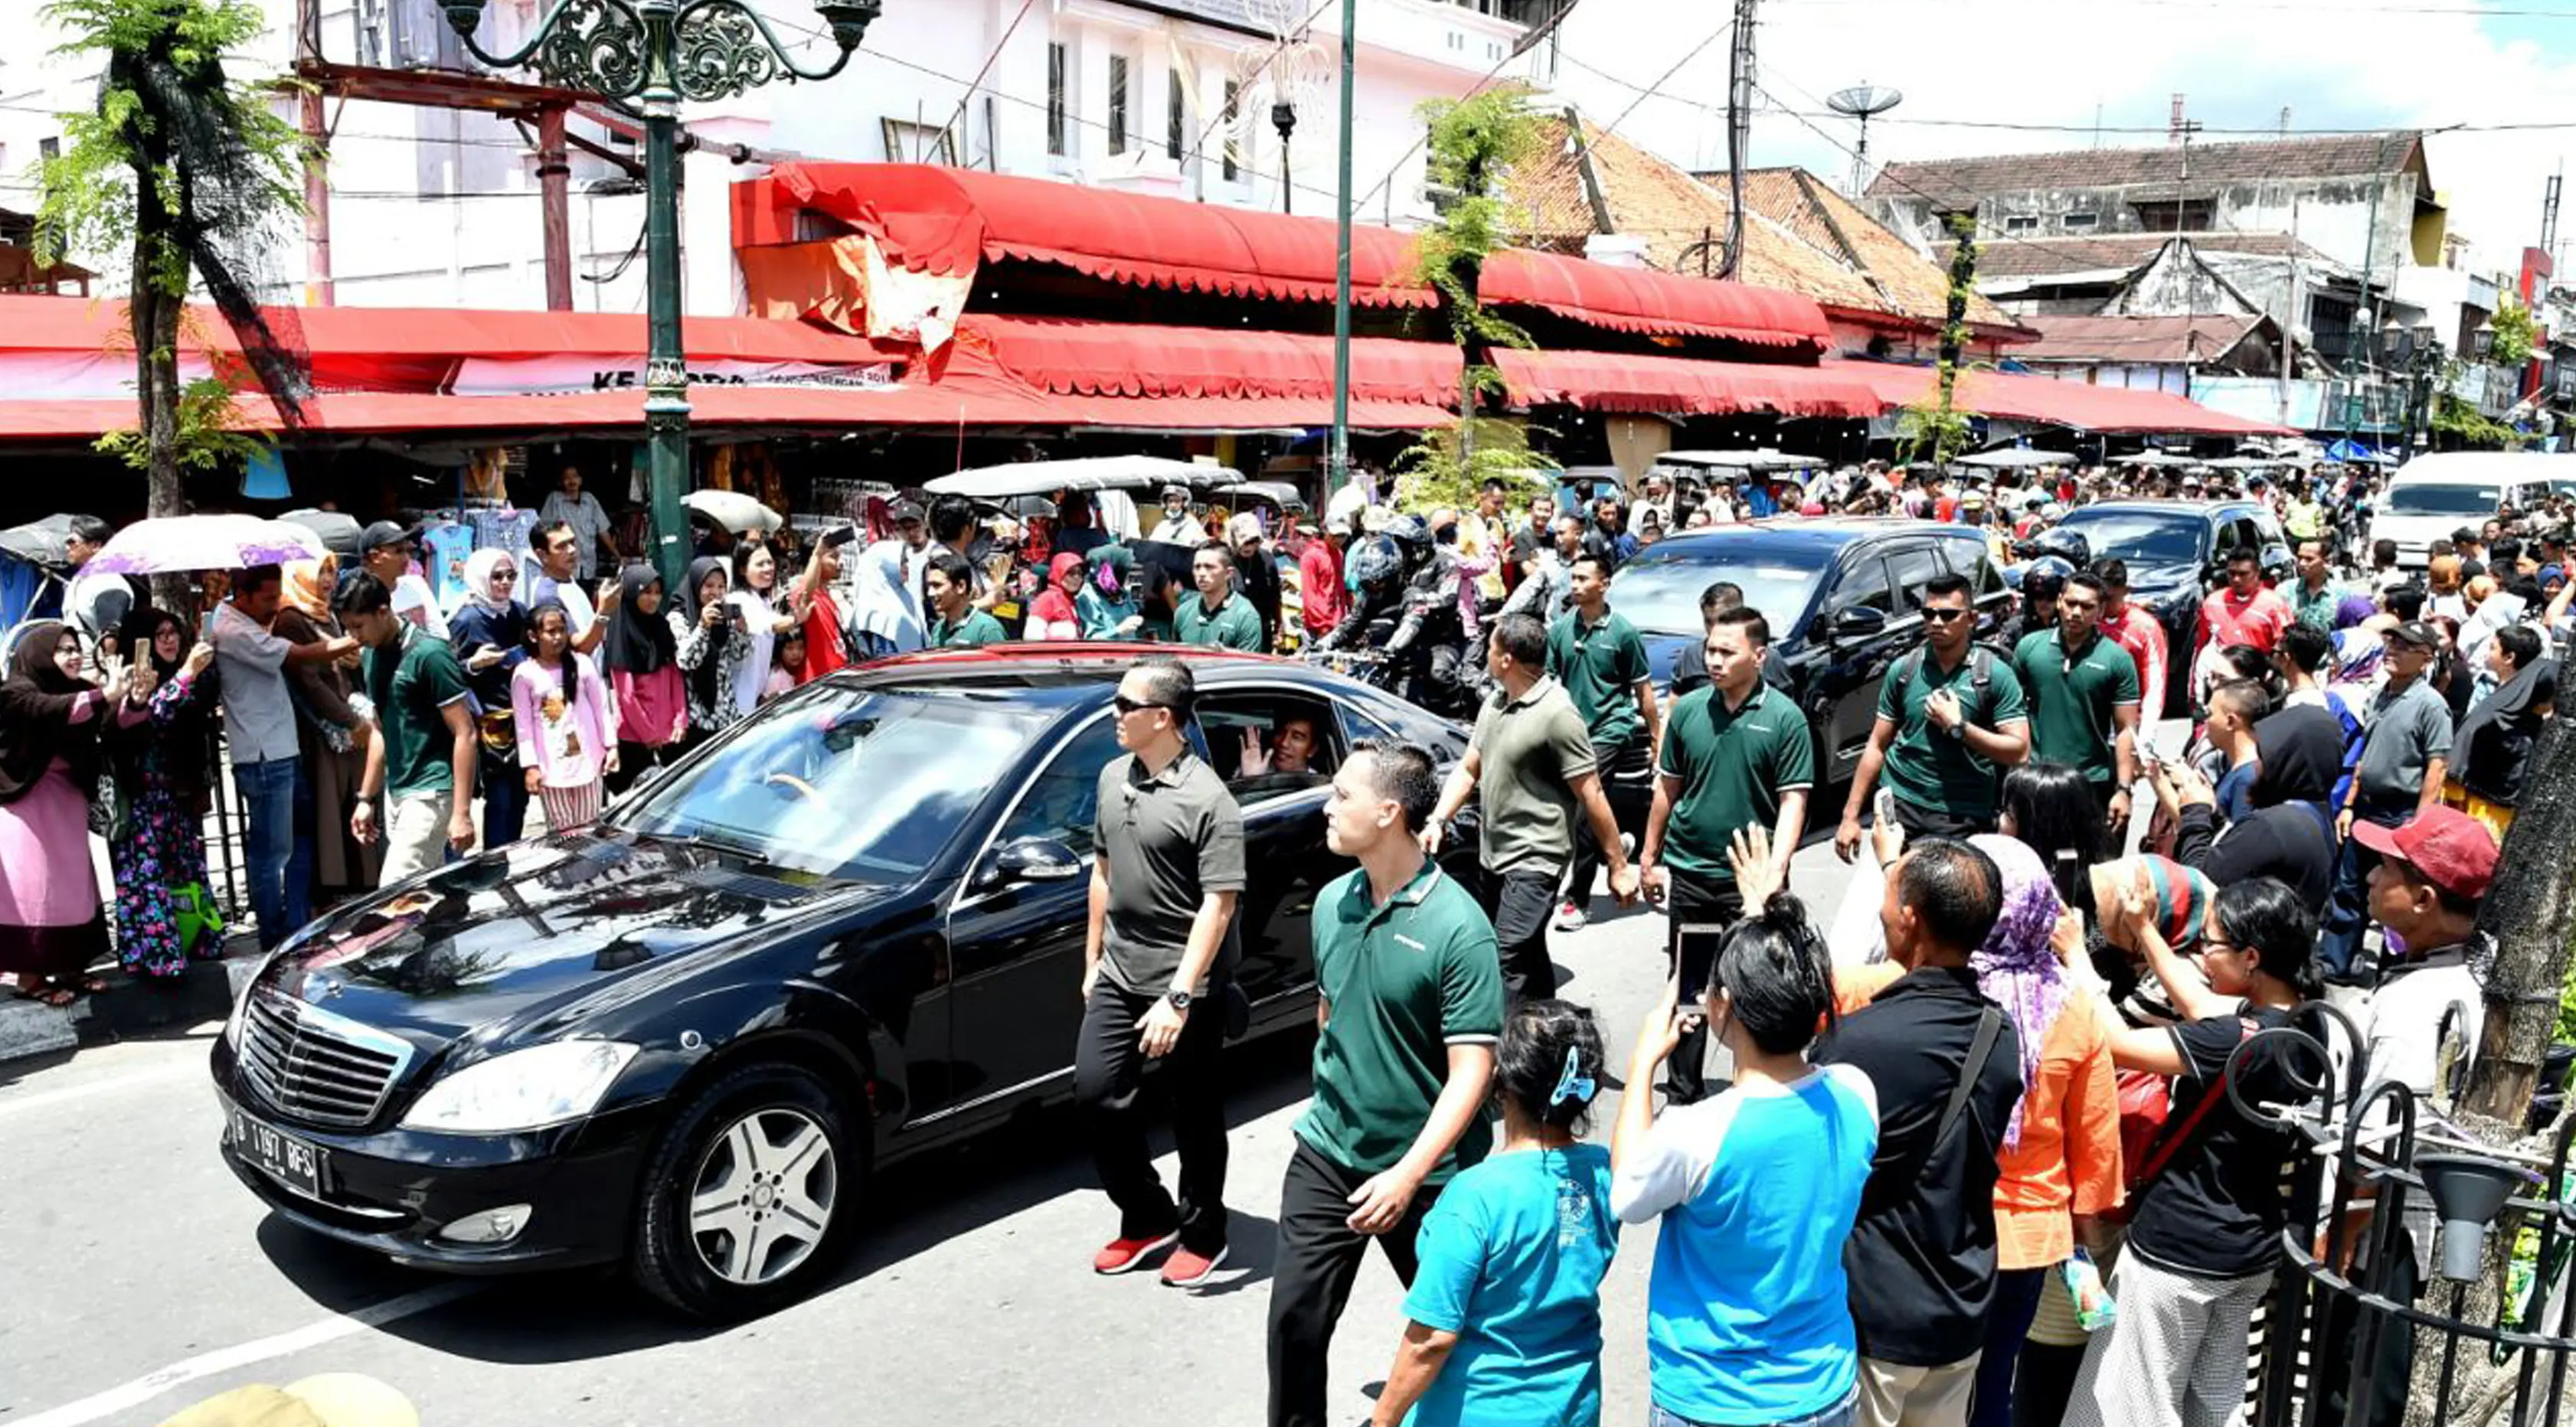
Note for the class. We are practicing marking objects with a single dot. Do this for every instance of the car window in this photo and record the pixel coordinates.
(1863, 586)
(1973, 561)
(1266, 742)
(1914, 564)
(1063, 801)
(1357, 725)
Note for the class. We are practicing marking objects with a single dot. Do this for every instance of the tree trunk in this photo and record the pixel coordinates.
(2530, 912)
(154, 317)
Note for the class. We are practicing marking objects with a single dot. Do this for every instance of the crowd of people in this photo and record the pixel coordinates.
(1891, 1148)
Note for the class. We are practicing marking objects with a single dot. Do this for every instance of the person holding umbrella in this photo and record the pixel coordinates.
(259, 728)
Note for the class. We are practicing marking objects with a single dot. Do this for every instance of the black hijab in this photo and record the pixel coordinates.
(2299, 755)
(636, 642)
(2496, 741)
(705, 683)
(35, 716)
(188, 736)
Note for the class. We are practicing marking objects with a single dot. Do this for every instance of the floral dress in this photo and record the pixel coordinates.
(158, 850)
(712, 706)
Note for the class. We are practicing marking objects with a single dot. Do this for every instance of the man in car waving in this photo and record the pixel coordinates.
(1167, 868)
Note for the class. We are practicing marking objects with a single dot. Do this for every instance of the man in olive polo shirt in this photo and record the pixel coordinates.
(1598, 656)
(1737, 755)
(1533, 761)
(1166, 872)
(1950, 720)
(1218, 618)
(948, 587)
(2082, 692)
(1411, 1007)
(424, 756)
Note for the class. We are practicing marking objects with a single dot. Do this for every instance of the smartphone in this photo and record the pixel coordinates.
(1883, 803)
(1695, 949)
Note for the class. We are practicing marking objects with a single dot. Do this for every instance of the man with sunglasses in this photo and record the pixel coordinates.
(1166, 871)
(2082, 695)
(1950, 720)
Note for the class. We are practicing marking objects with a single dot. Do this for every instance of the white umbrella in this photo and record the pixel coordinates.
(2016, 458)
(733, 510)
(179, 543)
(1088, 473)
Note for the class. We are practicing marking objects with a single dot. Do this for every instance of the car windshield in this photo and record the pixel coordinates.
(857, 784)
(2140, 537)
(2444, 500)
(1659, 591)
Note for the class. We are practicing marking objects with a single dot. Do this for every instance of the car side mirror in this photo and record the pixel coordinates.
(1036, 859)
(1859, 622)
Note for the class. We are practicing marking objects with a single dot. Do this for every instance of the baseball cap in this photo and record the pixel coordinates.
(388, 532)
(2452, 850)
(2416, 632)
(906, 512)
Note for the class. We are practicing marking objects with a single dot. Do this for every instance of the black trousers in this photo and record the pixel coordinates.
(1920, 823)
(1319, 1259)
(1519, 903)
(1108, 1086)
(1691, 901)
(1627, 782)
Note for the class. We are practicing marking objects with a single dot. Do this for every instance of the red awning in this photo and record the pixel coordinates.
(1641, 300)
(947, 220)
(1619, 381)
(2021, 397)
(1074, 357)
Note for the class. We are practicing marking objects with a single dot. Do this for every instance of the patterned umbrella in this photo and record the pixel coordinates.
(175, 544)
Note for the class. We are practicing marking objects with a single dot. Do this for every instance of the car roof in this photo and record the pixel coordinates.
(2159, 507)
(1820, 535)
(2478, 468)
(1062, 673)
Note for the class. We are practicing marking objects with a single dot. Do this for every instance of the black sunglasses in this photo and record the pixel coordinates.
(1126, 705)
(1944, 616)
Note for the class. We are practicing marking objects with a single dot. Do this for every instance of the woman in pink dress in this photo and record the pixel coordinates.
(567, 738)
(642, 656)
(52, 926)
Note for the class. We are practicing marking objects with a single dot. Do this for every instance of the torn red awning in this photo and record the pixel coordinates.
(1642, 300)
(2018, 396)
(1620, 381)
(1074, 357)
(947, 220)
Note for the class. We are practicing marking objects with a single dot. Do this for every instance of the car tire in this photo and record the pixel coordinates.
(777, 1133)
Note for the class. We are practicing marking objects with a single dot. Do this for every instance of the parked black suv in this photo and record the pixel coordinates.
(1842, 597)
(848, 929)
(2176, 552)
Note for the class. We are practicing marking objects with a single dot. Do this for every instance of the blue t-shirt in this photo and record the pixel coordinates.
(1513, 1254)
(2235, 791)
(1747, 1313)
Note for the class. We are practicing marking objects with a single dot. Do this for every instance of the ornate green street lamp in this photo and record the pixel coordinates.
(659, 52)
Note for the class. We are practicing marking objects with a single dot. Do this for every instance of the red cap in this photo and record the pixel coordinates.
(2452, 850)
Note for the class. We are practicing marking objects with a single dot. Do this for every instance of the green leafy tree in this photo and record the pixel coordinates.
(2516, 335)
(1937, 430)
(1473, 143)
(189, 173)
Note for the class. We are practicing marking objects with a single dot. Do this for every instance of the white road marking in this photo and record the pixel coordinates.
(43, 1099)
(224, 1360)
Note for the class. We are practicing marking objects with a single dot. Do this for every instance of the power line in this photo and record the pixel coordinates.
(1528, 42)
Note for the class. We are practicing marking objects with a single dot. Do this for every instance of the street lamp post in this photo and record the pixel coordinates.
(1283, 117)
(660, 52)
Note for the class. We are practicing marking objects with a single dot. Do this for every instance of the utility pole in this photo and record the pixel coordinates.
(2290, 316)
(1739, 132)
(1339, 473)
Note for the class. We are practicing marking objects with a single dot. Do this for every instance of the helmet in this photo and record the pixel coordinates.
(2067, 545)
(1410, 530)
(1376, 561)
(2045, 577)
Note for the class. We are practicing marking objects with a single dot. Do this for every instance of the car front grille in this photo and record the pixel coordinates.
(311, 1065)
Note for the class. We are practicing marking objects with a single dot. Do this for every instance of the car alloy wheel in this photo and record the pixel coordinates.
(763, 1196)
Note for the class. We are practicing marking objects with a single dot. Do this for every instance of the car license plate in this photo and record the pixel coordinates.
(275, 1153)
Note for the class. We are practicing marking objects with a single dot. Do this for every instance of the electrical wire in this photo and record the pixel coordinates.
(1528, 42)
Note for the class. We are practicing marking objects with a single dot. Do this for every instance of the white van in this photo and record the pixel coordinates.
(2435, 494)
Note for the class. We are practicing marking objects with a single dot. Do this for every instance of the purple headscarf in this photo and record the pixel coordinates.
(2016, 968)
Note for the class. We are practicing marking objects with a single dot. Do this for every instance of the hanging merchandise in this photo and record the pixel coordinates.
(487, 477)
(264, 476)
(444, 545)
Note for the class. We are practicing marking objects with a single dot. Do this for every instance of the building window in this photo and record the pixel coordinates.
(48, 150)
(2079, 222)
(1175, 117)
(907, 142)
(2021, 223)
(1118, 104)
(1055, 99)
(1233, 145)
(2191, 215)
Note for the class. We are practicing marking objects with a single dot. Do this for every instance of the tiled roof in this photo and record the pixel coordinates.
(1788, 235)
(2134, 339)
(1959, 183)
(2017, 256)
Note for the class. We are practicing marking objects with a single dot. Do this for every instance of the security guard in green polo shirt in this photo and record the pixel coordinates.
(2083, 695)
(1738, 754)
(1950, 718)
(1412, 994)
(1599, 657)
(948, 583)
(1218, 618)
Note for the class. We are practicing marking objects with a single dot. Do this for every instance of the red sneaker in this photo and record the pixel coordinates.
(1124, 1254)
(1185, 1269)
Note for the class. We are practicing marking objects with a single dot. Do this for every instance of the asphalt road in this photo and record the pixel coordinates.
(137, 1276)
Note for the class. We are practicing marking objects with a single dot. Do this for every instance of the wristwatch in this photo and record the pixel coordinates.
(1180, 1000)
(1958, 731)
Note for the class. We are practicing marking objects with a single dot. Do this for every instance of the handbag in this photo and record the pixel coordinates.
(2146, 1107)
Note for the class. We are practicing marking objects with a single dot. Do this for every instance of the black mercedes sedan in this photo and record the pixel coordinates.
(847, 930)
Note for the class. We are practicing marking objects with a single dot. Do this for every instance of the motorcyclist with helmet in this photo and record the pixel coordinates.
(1406, 607)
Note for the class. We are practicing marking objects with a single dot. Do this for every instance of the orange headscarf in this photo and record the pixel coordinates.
(307, 585)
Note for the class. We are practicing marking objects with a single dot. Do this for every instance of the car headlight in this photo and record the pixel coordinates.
(523, 1090)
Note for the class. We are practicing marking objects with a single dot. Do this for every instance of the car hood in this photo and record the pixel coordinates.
(535, 926)
(2163, 583)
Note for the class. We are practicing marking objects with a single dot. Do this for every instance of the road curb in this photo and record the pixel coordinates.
(130, 1008)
